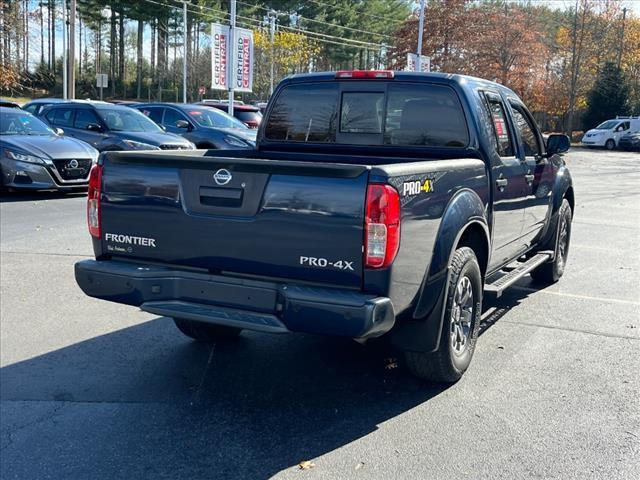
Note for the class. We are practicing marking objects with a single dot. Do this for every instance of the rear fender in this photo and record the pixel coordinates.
(422, 332)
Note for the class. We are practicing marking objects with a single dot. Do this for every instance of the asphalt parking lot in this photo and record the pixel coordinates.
(91, 389)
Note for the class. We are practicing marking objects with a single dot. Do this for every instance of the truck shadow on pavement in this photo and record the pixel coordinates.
(146, 402)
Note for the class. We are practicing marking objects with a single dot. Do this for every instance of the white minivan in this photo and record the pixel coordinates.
(608, 133)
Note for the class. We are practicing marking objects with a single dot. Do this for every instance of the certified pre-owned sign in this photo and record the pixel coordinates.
(236, 54)
(219, 52)
(243, 62)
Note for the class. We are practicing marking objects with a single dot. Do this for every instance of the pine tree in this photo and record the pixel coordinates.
(608, 98)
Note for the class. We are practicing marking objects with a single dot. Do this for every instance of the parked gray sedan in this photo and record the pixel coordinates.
(33, 156)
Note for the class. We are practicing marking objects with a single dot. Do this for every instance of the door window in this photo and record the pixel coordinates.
(527, 132)
(31, 108)
(171, 116)
(501, 138)
(61, 117)
(84, 117)
(154, 113)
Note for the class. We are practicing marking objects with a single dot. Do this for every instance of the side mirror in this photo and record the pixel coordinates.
(59, 131)
(557, 144)
(183, 124)
(94, 127)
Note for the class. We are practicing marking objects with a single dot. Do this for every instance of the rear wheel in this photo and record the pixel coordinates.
(551, 272)
(610, 144)
(205, 332)
(460, 325)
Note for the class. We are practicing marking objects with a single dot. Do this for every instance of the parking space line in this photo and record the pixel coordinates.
(604, 224)
(86, 255)
(575, 330)
(601, 249)
(582, 297)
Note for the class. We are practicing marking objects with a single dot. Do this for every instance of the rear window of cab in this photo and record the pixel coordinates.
(403, 114)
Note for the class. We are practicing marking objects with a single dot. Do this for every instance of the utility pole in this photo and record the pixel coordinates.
(624, 16)
(231, 68)
(184, 58)
(71, 76)
(273, 15)
(420, 29)
(65, 58)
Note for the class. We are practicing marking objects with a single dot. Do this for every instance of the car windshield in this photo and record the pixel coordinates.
(211, 117)
(127, 120)
(608, 125)
(21, 123)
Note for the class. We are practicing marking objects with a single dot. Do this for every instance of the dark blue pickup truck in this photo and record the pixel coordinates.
(377, 202)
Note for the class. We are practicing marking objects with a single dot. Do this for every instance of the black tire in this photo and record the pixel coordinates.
(204, 332)
(550, 272)
(610, 144)
(451, 360)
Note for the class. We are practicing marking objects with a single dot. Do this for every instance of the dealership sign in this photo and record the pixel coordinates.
(219, 55)
(417, 63)
(231, 67)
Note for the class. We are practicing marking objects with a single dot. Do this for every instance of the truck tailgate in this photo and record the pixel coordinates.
(279, 219)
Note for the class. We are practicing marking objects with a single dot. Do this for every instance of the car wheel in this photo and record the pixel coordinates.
(610, 144)
(460, 324)
(205, 332)
(550, 272)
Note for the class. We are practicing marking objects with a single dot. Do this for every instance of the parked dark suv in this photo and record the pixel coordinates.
(111, 127)
(205, 127)
(36, 106)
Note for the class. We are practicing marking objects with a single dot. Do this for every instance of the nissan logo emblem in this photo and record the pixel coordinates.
(222, 176)
(73, 163)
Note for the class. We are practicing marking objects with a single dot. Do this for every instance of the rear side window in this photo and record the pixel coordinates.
(501, 139)
(305, 113)
(425, 115)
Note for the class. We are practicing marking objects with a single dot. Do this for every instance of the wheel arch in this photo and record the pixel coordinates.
(476, 237)
(464, 223)
(569, 195)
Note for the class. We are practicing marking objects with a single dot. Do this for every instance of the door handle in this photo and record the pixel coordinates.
(501, 182)
(529, 177)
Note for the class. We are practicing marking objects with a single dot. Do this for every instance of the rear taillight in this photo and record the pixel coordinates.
(362, 74)
(93, 200)
(382, 226)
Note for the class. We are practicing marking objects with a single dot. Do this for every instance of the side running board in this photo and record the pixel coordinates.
(496, 288)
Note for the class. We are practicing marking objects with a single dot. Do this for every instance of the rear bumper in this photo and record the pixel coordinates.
(237, 302)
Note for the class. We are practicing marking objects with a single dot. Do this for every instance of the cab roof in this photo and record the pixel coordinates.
(463, 81)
